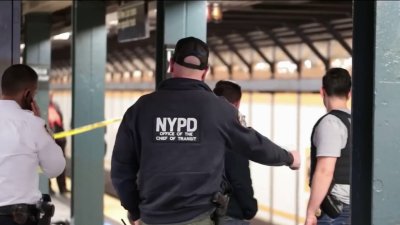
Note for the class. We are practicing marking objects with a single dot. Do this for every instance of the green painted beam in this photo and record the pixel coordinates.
(179, 19)
(386, 141)
(89, 40)
(10, 22)
(376, 125)
(37, 53)
(185, 18)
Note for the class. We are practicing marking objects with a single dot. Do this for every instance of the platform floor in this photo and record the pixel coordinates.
(113, 211)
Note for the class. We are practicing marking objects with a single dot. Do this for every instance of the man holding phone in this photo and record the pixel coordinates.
(25, 145)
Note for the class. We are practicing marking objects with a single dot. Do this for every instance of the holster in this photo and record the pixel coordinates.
(331, 206)
(221, 202)
(45, 210)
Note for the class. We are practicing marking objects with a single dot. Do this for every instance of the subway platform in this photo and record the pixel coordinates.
(113, 211)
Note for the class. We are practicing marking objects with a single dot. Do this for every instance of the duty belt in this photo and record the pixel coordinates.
(8, 209)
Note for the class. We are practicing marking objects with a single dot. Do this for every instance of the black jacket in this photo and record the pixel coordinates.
(168, 157)
(242, 204)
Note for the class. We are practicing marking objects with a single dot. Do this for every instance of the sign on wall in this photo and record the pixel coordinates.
(132, 21)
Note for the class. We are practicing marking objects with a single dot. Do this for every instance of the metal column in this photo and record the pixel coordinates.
(179, 19)
(376, 125)
(37, 54)
(10, 28)
(386, 141)
(89, 39)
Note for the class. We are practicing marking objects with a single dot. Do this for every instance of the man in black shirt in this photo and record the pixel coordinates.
(168, 158)
(242, 205)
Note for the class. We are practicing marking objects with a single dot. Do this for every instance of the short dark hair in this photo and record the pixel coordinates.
(337, 82)
(230, 90)
(16, 78)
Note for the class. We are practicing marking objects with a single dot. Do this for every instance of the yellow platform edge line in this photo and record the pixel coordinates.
(283, 214)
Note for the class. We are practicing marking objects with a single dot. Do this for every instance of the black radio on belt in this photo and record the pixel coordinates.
(45, 210)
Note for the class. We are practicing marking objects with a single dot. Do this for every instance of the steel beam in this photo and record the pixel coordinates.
(219, 56)
(314, 49)
(116, 63)
(260, 53)
(10, 28)
(363, 112)
(338, 37)
(138, 52)
(134, 54)
(89, 46)
(37, 53)
(271, 85)
(285, 50)
(238, 54)
(126, 60)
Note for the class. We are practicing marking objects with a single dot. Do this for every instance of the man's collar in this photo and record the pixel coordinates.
(10, 103)
(183, 84)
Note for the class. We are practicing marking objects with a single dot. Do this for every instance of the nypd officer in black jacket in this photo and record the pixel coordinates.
(242, 204)
(168, 158)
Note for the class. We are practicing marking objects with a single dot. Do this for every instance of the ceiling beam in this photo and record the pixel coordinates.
(284, 49)
(260, 53)
(218, 55)
(297, 11)
(133, 56)
(338, 37)
(313, 48)
(237, 53)
(116, 64)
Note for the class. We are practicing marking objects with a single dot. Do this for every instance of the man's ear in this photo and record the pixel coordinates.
(322, 91)
(27, 94)
(349, 95)
(237, 104)
(203, 76)
(171, 65)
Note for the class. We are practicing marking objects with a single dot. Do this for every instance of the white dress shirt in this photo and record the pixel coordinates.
(25, 145)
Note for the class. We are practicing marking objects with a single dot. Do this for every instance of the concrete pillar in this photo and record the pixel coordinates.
(376, 124)
(89, 38)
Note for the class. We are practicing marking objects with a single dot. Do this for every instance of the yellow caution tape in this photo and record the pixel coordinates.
(84, 129)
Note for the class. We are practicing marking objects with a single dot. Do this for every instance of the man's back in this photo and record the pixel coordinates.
(180, 157)
(178, 136)
(168, 157)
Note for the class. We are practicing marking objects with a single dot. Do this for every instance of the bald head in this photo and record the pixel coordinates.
(178, 70)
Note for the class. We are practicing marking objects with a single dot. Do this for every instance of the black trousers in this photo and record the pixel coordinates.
(7, 220)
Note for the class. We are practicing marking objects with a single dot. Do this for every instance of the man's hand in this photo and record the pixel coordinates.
(35, 108)
(311, 220)
(137, 222)
(296, 160)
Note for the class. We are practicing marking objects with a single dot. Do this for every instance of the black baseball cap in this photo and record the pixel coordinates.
(191, 46)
